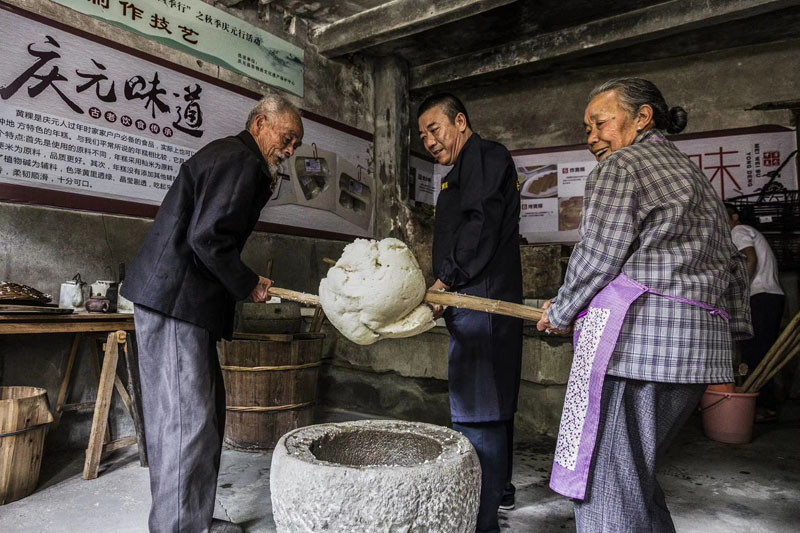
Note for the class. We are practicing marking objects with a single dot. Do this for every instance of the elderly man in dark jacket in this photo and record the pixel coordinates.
(184, 284)
(476, 251)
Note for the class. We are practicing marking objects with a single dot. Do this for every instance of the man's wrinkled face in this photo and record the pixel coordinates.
(277, 140)
(609, 126)
(443, 138)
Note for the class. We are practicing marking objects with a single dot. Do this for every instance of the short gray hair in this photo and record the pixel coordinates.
(633, 93)
(270, 106)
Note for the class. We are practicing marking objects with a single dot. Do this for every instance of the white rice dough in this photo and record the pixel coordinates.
(375, 291)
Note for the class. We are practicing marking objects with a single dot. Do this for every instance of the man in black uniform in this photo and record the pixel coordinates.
(476, 252)
(184, 284)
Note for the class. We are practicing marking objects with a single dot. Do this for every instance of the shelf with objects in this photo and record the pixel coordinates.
(775, 212)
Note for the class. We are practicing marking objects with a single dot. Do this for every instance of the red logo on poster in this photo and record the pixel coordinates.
(771, 159)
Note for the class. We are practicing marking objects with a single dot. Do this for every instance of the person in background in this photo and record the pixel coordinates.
(766, 301)
(476, 252)
(660, 293)
(184, 284)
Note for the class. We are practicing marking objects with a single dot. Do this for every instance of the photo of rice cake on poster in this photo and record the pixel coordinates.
(313, 173)
(569, 213)
(354, 194)
(538, 181)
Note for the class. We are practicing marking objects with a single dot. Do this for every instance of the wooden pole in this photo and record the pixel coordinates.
(62, 393)
(497, 307)
(302, 297)
(769, 358)
(104, 390)
(451, 299)
(774, 355)
(789, 356)
(788, 349)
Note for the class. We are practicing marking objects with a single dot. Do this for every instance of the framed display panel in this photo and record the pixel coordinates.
(552, 180)
(89, 124)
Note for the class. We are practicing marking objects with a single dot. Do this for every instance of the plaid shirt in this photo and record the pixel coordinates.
(649, 212)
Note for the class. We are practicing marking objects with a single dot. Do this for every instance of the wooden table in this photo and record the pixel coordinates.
(118, 328)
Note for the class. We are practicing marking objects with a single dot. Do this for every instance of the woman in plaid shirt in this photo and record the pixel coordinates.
(652, 226)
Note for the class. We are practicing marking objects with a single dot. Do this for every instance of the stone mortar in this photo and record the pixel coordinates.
(375, 475)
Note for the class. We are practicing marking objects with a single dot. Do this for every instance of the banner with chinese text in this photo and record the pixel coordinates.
(551, 181)
(80, 117)
(206, 32)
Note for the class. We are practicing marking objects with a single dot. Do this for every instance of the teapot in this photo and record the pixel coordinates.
(106, 289)
(71, 295)
(98, 304)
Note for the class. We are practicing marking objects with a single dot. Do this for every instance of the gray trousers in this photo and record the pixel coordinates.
(638, 421)
(183, 402)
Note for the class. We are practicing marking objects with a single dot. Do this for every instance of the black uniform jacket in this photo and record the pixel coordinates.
(476, 232)
(189, 266)
(476, 251)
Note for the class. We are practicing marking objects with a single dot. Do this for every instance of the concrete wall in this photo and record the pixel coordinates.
(43, 247)
(715, 89)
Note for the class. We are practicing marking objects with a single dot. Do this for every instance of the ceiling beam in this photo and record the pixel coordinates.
(394, 20)
(611, 33)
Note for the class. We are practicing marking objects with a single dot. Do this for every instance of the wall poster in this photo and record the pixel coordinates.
(207, 32)
(79, 116)
(735, 161)
(422, 184)
(551, 180)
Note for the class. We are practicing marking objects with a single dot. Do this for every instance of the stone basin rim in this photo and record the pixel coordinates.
(299, 442)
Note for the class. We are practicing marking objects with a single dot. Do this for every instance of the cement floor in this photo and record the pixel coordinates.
(710, 487)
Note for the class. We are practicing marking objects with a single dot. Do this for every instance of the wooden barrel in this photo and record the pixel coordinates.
(270, 386)
(24, 416)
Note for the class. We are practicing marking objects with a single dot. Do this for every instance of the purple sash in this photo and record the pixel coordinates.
(596, 332)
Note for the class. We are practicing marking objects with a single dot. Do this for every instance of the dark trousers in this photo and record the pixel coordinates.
(493, 441)
(638, 421)
(509, 491)
(183, 402)
(766, 311)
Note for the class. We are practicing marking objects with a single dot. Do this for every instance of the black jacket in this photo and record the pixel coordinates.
(476, 251)
(189, 266)
(476, 230)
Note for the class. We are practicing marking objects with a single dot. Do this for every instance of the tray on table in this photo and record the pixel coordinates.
(13, 307)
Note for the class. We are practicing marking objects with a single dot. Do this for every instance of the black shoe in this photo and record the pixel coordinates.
(507, 503)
